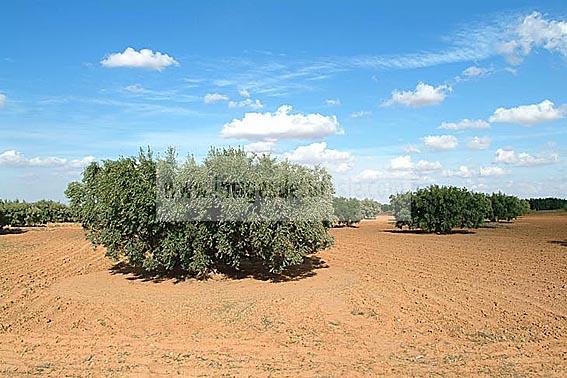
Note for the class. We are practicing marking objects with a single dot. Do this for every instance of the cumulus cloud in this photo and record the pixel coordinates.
(13, 158)
(528, 115)
(373, 175)
(361, 114)
(535, 32)
(281, 124)
(441, 142)
(261, 147)
(428, 166)
(2, 100)
(145, 58)
(244, 93)
(465, 124)
(401, 163)
(463, 171)
(423, 95)
(333, 101)
(479, 143)
(319, 154)
(212, 98)
(247, 103)
(491, 171)
(405, 163)
(524, 159)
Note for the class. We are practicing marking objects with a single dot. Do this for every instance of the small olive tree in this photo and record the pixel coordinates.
(196, 217)
(347, 211)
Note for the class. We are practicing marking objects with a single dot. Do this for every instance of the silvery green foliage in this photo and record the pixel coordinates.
(195, 217)
(348, 211)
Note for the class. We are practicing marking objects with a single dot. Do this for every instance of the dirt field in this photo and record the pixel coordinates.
(492, 302)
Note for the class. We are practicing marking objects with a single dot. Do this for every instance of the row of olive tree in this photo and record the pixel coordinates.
(350, 211)
(440, 208)
(27, 214)
(195, 218)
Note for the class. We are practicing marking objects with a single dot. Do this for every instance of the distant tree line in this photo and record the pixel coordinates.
(28, 214)
(549, 203)
(442, 208)
(350, 211)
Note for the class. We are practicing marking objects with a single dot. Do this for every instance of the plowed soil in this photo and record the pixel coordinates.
(490, 302)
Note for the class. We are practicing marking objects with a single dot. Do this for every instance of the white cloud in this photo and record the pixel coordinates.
(528, 114)
(463, 172)
(281, 124)
(79, 163)
(2, 100)
(535, 32)
(475, 71)
(260, 147)
(135, 88)
(333, 102)
(319, 154)
(145, 58)
(405, 163)
(479, 143)
(361, 114)
(212, 98)
(441, 142)
(428, 166)
(506, 156)
(401, 163)
(491, 171)
(465, 124)
(244, 93)
(247, 103)
(423, 95)
(13, 158)
(524, 159)
(372, 175)
(409, 149)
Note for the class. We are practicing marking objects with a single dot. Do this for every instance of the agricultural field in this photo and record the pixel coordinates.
(489, 301)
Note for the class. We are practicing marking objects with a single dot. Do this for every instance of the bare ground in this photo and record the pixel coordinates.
(491, 302)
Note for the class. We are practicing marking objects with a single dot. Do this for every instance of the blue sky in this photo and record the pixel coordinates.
(386, 95)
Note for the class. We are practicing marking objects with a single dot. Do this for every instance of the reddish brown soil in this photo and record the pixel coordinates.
(492, 302)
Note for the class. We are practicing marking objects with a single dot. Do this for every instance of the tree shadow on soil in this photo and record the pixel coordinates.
(12, 231)
(562, 243)
(423, 232)
(248, 269)
(254, 269)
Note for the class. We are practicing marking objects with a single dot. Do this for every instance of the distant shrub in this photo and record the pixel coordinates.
(506, 207)
(347, 211)
(401, 207)
(28, 214)
(117, 202)
(369, 208)
(440, 209)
